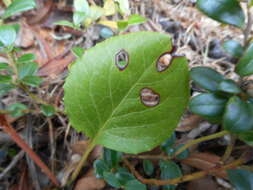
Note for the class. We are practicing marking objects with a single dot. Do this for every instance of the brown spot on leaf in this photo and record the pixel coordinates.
(164, 62)
(149, 97)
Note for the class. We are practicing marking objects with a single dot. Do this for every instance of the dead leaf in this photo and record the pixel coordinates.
(205, 161)
(204, 183)
(80, 146)
(25, 37)
(189, 123)
(89, 182)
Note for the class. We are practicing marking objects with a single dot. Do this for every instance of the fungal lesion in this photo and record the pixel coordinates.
(122, 59)
(164, 62)
(149, 97)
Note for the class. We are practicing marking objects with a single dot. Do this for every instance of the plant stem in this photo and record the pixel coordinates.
(247, 30)
(199, 140)
(84, 158)
(229, 149)
(184, 178)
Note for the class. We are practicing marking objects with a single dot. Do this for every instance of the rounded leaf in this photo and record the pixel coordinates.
(7, 35)
(130, 108)
(245, 64)
(206, 78)
(233, 48)
(229, 86)
(241, 179)
(238, 115)
(225, 11)
(208, 105)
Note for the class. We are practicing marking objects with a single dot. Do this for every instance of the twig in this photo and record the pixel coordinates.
(229, 149)
(199, 140)
(12, 164)
(184, 178)
(15, 137)
(247, 30)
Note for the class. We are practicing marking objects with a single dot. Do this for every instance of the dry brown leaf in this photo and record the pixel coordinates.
(204, 183)
(90, 182)
(205, 161)
(189, 123)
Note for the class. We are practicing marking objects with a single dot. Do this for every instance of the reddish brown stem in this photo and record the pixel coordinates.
(184, 178)
(15, 137)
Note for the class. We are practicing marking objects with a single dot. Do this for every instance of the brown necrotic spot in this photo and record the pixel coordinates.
(164, 61)
(149, 97)
(122, 59)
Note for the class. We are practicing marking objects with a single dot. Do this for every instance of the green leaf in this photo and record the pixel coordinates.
(81, 10)
(134, 185)
(183, 155)
(136, 19)
(169, 170)
(33, 81)
(109, 102)
(26, 69)
(124, 177)
(8, 35)
(245, 64)
(229, 86)
(5, 88)
(148, 167)
(247, 137)
(78, 51)
(206, 78)
(65, 23)
(4, 66)
(208, 105)
(225, 11)
(17, 109)
(18, 6)
(241, 179)
(250, 3)
(122, 24)
(5, 79)
(47, 110)
(112, 157)
(111, 179)
(29, 57)
(238, 115)
(169, 143)
(233, 48)
(100, 167)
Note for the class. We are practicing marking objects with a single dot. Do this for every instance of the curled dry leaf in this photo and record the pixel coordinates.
(205, 161)
(204, 183)
(89, 182)
(188, 123)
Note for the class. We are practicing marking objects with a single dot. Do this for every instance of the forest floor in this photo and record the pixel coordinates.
(57, 143)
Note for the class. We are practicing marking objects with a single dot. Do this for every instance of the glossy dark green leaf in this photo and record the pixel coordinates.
(169, 143)
(225, 11)
(229, 86)
(124, 177)
(109, 102)
(183, 155)
(134, 185)
(78, 51)
(18, 6)
(33, 81)
(238, 115)
(5, 88)
(112, 157)
(47, 110)
(26, 69)
(241, 179)
(148, 167)
(247, 137)
(245, 64)
(233, 48)
(100, 167)
(17, 110)
(29, 57)
(206, 78)
(111, 179)
(169, 170)
(208, 105)
(8, 35)
(5, 79)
